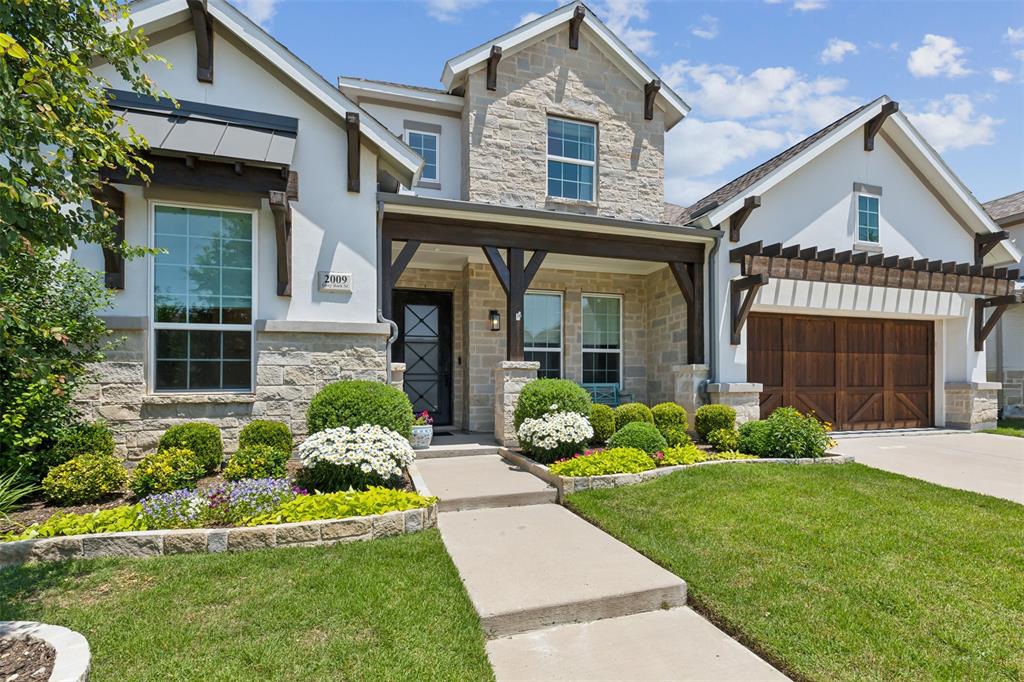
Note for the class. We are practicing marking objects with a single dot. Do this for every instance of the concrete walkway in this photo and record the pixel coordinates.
(981, 462)
(559, 598)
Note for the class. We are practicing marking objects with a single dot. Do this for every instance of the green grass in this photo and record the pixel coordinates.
(1009, 427)
(838, 572)
(383, 610)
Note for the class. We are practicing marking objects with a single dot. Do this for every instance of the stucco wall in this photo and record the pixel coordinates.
(505, 131)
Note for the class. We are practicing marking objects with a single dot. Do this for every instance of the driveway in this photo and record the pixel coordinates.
(982, 462)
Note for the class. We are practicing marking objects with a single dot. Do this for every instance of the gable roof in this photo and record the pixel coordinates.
(1006, 210)
(156, 15)
(456, 68)
(359, 89)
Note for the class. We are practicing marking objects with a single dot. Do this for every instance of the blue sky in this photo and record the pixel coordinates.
(759, 74)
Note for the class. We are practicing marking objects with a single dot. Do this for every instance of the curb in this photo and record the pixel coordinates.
(72, 660)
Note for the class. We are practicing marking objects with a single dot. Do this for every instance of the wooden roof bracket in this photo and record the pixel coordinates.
(690, 278)
(650, 93)
(872, 127)
(352, 132)
(108, 197)
(492, 67)
(578, 15)
(514, 277)
(737, 219)
(281, 207)
(983, 328)
(202, 27)
(741, 298)
(983, 243)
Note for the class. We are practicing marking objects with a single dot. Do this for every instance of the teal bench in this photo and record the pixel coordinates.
(607, 394)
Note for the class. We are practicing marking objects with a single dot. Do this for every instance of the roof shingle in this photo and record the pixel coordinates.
(1004, 207)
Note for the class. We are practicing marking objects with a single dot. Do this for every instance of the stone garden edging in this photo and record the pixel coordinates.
(72, 659)
(567, 485)
(150, 543)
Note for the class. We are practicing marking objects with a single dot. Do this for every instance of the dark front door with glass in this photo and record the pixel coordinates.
(425, 346)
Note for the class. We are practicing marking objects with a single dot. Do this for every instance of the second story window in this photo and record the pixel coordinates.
(867, 218)
(571, 155)
(425, 144)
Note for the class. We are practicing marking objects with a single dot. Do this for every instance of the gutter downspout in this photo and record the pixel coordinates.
(393, 336)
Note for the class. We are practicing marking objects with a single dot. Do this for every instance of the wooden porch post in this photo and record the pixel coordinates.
(516, 301)
(690, 278)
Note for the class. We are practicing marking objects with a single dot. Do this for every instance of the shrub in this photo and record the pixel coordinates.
(671, 422)
(602, 420)
(122, 519)
(554, 435)
(84, 479)
(201, 438)
(264, 432)
(344, 504)
(686, 454)
(72, 441)
(640, 435)
(724, 439)
(550, 395)
(785, 433)
(732, 454)
(256, 461)
(343, 458)
(604, 462)
(628, 413)
(707, 418)
(166, 470)
(352, 404)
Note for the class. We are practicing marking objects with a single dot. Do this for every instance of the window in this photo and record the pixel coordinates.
(202, 299)
(425, 144)
(602, 339)
(867, 218)
(571, 153)
(542, 332)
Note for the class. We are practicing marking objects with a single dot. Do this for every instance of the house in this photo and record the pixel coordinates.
(1006, 348)
(460, 241)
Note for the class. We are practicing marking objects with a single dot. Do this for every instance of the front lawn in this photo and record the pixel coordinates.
(381, 610)
(1009, 427)
(837, 572)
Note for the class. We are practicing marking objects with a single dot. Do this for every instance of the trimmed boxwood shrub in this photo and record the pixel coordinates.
(265, 432)
(670, 419)
(724, 440)
(785, 433)
(602, 419)
(707, 418)
(358, 402)
(640, 435)
(87, 478)
(628, 413)
(202, 439)
(72, 441)
(166, 470)
(256, 461)
(538, 396)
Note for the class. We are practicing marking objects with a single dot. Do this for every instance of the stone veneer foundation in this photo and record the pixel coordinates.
(973, 405)
(744, 397)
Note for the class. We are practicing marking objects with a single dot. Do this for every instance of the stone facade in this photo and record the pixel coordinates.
(689, 388)
(744, 398)
(505, 131)
(509, 379)
(973, 405)
(290, 368)
(1011, 397)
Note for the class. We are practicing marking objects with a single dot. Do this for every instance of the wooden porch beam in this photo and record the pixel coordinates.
(499, 267)
(983, 243)
(202, 27)
(872, 127)
(110, 198)
(574, 27)
(282, 210)
(352, 134)
(175, 171)
(492, 67)
(650, 94)
(742, 292)
(737, 219)
(402, 262)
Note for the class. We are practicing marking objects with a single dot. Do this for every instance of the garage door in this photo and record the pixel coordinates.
(855, 373)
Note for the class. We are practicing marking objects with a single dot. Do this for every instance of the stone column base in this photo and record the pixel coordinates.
(509, 379)
(744, 398)
(398, 375)
(972, 405)
(688, 380)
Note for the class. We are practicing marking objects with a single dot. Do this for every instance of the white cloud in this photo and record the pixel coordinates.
(260, 11)
(808, 5)
(528, 17)
(449, 10)
(875, 45)
(937, 56)
(952, 123)
(707, 28)
(698, 148)
(1001, 75)
(836, 51)
(1014, 35)
(621, 15)
(1019, 54)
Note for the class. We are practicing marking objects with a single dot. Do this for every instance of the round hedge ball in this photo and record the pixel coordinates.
(602, 420)
(354, 403)
(627, 413)
(639, 435)
(550, 395)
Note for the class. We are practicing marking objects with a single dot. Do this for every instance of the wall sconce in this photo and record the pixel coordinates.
(495, 318)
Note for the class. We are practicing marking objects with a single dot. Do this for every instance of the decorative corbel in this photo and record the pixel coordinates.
(352, 132)
(110, 198)
(872, 127)
(737, 219)
(741, 298)
(282, 210)
(202, 27)
(983, 328)
(650, 93)
(983, 243)
(492, 67)
(578, 15)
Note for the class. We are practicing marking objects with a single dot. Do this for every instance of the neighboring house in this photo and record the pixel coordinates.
(515, 220)
(1006, 344)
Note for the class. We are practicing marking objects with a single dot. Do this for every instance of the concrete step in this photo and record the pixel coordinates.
(532, 567)
(481, 482)
(456, 450)
(672, 644)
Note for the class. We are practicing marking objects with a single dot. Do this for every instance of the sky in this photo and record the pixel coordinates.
(759, 74)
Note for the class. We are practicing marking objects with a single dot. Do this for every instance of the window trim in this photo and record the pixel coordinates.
(565, 159)
(856, 226)
(561, 329)
(428, 183)
(153, 325)
(622, 324)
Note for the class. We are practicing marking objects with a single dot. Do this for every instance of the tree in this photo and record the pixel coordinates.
(56, 126)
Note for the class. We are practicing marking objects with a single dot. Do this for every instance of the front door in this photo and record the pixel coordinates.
(425, 346)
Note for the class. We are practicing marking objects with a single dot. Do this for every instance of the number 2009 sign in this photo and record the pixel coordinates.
(335, 281)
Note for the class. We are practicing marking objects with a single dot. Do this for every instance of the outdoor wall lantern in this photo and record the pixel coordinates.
(495, 321)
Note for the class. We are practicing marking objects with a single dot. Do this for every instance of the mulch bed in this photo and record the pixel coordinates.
(24, 659)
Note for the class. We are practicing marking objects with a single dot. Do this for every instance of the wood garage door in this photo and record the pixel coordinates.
(855, 373)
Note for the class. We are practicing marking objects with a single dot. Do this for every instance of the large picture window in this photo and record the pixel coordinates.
(571, 157)
(542, 332)
(602, 339)
(202, 299)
